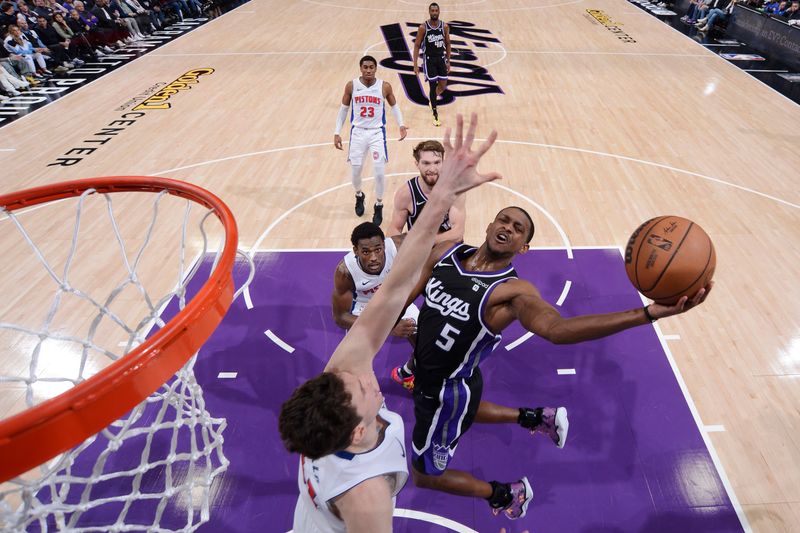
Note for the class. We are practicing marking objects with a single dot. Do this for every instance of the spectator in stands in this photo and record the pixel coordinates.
(719, 13)
(25, 12)
(122, 11)
(16, 43)
(153, 10)
(793, 13)
(77, 43)
(97, 35)
(58, 46)
(41, 9)
(108, 22)
(55, 7)
(777, 8)
(697, 9)
(140, 13)
(8, 15)
(10, 80)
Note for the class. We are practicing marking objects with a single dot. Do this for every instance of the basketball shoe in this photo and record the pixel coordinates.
(377, 216)
(400, 377)
(359, 204)
(521, 496)
(436, 121)
(550, 421)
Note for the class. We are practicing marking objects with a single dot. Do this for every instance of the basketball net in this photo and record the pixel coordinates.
(155, 468)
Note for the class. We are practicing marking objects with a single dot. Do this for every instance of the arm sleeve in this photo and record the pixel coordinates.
(341, 118)
(398, 115)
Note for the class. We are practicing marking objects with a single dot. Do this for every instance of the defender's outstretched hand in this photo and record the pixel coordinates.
(459, 171)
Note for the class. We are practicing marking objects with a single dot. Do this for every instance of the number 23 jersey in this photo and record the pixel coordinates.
(452, 337)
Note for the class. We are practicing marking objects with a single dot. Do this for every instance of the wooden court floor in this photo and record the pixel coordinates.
(606, 117)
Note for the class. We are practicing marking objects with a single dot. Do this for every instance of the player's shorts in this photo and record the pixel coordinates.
(435, 68)
(369, 142)
(443, 413)
(411, 312)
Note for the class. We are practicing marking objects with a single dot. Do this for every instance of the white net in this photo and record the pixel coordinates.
(92, 277)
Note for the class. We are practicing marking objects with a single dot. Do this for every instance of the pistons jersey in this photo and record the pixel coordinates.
(367, 110)
(322, 480)
(365, 285)
(433, 42)
(452, 336)
(419, 200)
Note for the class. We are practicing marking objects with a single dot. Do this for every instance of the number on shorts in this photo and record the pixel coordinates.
(368, 112)
(447, 330)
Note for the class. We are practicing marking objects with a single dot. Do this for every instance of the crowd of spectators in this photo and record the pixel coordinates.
(706, 14)
(54, 36)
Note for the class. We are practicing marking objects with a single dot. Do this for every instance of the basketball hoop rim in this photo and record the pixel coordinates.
(30, 438)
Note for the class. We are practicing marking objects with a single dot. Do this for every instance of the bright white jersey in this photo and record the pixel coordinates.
(367, 109)
(326, 478)
(367, 284)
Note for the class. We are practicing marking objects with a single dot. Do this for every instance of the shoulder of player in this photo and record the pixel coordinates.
(372, 493)
(508, 290)
(402, 197)
(342, 275)
(348, 87)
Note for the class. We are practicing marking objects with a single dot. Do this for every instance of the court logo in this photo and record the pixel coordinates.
(149, 101)
(610, 25)
(466, 78)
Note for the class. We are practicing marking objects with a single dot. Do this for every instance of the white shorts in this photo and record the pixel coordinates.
(411, 312)
(367, 141)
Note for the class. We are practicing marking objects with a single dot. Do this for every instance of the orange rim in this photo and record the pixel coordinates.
(34, 436)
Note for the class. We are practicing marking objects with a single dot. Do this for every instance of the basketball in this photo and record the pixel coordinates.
(669, 257)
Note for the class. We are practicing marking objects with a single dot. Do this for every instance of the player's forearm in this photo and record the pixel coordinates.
(345, 320)
(590, 327)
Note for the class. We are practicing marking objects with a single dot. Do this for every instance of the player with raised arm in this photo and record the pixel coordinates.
(352, 461)
(368, 96)
(471, 296)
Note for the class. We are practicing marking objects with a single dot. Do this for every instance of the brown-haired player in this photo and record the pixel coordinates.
(353, 458)
(409, 202)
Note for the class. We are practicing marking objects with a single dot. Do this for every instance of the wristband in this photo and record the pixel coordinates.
(647, 314)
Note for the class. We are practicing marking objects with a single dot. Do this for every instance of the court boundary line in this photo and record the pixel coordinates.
(521, 143)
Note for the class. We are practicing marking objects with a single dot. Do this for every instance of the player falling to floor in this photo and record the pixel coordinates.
(409, 201)
(353, 459)
(361, 273)
(433, 37)
(471, 296)
(368, 96)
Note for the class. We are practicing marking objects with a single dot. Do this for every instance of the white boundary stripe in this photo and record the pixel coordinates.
(696, 415)
(450, 8)
(718, 428)
(521, 143)
(564, 293)
(510, 346)
(502, 50)
(434, 519)
(8, 149)
(227, 375)
(720, 44)
(248, 302)
(566, 372)
(672, 337)
(274, 338)
(762, 70)
(452, 525)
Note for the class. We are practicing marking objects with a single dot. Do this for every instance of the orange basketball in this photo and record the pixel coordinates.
(669, 257)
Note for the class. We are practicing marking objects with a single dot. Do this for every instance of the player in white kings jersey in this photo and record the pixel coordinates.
(353, 457)
(368, 96)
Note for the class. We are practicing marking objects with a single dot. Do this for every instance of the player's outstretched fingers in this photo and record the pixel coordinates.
(459, 131)
(448, 148)
(473, 125)
(485, 145)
